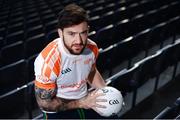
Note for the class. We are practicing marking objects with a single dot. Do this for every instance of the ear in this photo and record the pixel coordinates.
(60, 32)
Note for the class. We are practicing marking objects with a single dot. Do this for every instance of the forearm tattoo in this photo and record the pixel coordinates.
(64, 105)
(45, 94)
(48, 101)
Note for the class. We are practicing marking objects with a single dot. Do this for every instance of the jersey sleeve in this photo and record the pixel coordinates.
(47, 67)
(93, 46)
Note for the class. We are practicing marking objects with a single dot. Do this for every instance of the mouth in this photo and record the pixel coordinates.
(78, 46)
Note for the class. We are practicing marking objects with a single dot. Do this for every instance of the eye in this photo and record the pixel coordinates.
(84, 32)
(71, 33)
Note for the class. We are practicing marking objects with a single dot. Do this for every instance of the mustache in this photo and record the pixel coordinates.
(79, 44)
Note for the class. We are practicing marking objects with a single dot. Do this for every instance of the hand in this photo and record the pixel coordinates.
(90, 101)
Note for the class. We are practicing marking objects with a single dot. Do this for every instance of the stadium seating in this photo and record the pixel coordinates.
(38, 42)
(12, 53)
(1, 42)
(30, 65)
(13, 75)
(34, 30)
(105, 56)
(14, 37)
(13, 105)
(126, 31)
(170, 112)
(105, 36)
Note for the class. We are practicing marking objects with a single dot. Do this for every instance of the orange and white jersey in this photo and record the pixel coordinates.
(55, 68)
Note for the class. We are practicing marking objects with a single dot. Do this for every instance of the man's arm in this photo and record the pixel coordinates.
(47, 101)
(95, 79)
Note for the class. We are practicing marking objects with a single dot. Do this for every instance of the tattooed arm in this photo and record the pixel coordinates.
(48, 101)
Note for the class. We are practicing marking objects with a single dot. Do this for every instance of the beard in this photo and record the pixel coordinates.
(71, 51)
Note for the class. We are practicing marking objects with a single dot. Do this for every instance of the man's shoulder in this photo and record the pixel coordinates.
(91, 43)
(50, 48)
(93, 46)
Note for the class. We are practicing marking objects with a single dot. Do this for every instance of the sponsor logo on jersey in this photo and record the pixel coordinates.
(74, 85)
(67, 70)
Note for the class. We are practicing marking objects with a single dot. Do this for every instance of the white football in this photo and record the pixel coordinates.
(114, 101)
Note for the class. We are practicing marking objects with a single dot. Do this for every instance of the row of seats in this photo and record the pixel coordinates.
(25, 53)
(126, 12)
(23, 49)
(22, 17)
(141, 43)
(113, 56)
(127, 81)
(115, 32)
(148, 70)
(170, 112)
(20, 28)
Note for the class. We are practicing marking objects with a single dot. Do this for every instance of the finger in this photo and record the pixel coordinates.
(100, 106)
(98, 111)
(100, 94)
(93, 92)
(101, 100)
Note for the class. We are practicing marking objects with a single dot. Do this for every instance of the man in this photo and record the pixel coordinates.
(65, 66)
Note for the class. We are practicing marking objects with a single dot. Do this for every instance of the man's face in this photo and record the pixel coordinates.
(75, 37)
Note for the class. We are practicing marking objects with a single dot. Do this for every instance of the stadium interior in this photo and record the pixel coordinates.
(139, 45)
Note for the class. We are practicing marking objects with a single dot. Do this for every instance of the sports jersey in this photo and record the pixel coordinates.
(55, 68)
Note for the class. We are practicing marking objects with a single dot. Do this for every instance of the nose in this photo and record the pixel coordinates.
(78, 39)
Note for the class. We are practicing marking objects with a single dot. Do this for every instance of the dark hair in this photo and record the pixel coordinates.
(72, 14)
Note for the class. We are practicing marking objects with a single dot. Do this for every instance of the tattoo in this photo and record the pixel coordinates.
(64, 105)
(45, 94)
(48, 101)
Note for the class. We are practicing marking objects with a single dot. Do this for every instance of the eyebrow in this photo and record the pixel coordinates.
(77, 32)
